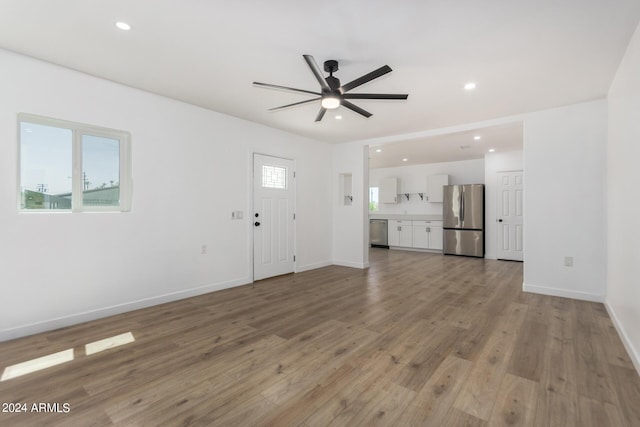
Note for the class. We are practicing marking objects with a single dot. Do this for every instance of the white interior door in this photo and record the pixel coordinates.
(273, 216)
(509, 216)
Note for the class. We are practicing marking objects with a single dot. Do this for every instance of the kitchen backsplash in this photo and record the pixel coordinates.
(412, 206)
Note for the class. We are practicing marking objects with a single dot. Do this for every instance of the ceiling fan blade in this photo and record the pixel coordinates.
(366, 78)
(293, 89)
(316, 71)
(321, 114)
(374, 96)
(295, 103)
(355, 108)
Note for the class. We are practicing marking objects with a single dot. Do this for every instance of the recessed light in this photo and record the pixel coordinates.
(491, 150)
(378, 150)
(123, 26)
(338, 117)
(477, 137)
(405, 160)
(470, 86)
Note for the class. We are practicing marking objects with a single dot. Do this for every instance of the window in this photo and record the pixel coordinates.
(66, 166)
(274, 177)
(373, 199)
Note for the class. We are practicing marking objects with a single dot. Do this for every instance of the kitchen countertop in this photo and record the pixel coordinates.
(407, 217)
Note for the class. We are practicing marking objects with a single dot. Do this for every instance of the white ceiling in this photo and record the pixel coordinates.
(524, 56)
(447, 148)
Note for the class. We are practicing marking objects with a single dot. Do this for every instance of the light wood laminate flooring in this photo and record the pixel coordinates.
(417, 339)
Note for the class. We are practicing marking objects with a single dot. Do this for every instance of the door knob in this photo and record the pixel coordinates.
(257, 224)
(500, 220)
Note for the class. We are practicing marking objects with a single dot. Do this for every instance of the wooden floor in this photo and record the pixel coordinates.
(416, 340)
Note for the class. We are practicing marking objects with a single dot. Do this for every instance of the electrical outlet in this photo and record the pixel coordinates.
(203, 249)
(568, 261)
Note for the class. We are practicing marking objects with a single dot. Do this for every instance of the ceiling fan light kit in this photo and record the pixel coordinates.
(332, 95)
(330, 102)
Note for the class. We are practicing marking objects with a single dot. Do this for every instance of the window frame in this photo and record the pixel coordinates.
(78, 130)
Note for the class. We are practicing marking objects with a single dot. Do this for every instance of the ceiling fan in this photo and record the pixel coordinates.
(332, 94)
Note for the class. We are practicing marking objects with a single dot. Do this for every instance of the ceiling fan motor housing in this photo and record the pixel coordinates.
(331, 66)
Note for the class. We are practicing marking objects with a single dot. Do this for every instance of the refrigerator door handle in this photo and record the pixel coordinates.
(462, 205)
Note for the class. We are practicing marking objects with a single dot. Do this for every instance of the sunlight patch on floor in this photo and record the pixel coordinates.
(107, 343)
(38, 364)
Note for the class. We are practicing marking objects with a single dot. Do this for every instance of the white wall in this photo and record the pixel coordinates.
(191, 168)
(351, 223)
(413, 179)
(564, 196)
(494, 163)
(623, 219)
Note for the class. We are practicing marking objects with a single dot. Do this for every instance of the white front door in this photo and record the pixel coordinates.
(509, 216)
(273, 216)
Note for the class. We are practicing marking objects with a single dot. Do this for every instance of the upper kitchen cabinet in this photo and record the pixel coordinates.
(434, 187)
(388, 190)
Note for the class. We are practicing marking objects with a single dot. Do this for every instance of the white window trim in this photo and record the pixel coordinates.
(79, 129)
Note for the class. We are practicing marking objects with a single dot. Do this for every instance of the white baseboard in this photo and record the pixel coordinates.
(300, 269)
(361, 265)
(403, 248)
(74, 319)
(633, 353)
(565, 293)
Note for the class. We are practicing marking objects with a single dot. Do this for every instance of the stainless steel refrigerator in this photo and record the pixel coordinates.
(463, 219)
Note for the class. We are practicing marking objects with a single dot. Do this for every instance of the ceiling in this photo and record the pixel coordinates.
(467, 145)
(524, 56)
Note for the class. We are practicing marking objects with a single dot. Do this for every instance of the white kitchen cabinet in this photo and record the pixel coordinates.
(435, 237)
(415, 234)
(388, 190)
(393, 234)
(400, 233)
(434, 187)
(420, 235)
(427, 234)
(406, 236)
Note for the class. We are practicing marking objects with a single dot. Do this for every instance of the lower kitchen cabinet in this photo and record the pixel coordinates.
(415, 234)
(435, 237)
(420, 235)
(400, 233)
(427, 234)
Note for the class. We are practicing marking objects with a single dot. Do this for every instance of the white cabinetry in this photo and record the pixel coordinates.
(388, 190)
(420, 235)
(415, 234)
(393, 233)
(427, 234)
(406, 234)
(434, 187)
(400, 233)
(435, 236)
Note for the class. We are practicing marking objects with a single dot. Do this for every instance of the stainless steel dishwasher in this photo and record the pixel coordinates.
(378, 233)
